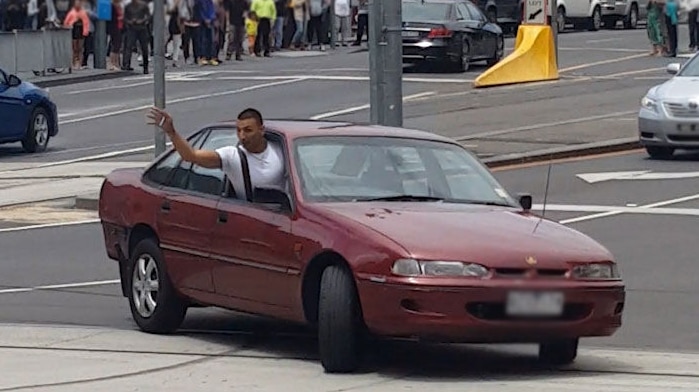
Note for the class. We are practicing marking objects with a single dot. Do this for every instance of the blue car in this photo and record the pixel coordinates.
(27, 114)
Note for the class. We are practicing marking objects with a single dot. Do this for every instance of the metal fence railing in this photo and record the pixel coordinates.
(36, 51)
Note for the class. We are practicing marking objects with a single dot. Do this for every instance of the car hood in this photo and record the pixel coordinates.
(494, 236)
(678, 88)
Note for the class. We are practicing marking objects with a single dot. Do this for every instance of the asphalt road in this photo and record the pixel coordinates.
(656, 253)
(603, 76)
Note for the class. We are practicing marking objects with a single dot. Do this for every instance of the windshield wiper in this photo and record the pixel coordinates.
(404, 198)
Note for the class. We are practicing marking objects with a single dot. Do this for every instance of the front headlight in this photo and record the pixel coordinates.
(648, 103)
(596, 271)
(410, 267)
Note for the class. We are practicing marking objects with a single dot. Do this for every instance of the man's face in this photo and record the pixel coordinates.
(250, 133)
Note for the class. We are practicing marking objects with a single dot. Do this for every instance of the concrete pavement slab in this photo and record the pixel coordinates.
(49, 190)
(180, 363)
(71, 170)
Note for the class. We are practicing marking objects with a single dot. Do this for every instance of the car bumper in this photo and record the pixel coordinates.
(476, 314)
(656, 128)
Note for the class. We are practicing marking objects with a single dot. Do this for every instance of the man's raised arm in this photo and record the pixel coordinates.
(204, 158)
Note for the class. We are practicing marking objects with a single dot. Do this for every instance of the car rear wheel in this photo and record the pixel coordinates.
(660, 152)
(499, 52)
(631, 20)
(37, 135)
(340, 325)
(560, 352)
(154, 304)
(463, 63)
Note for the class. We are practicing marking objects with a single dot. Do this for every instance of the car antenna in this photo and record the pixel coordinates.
(546, 193)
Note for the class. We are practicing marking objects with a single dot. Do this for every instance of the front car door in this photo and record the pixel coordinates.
(258, 269)
(189, 195)
(13, 116)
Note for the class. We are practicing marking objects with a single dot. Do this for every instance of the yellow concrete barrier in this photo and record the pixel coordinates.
(533, 60)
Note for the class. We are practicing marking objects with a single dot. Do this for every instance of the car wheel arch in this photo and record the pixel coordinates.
(52, 121)
(310, 284)
(137, 233)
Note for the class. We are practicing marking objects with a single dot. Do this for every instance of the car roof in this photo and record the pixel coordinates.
(293, 129)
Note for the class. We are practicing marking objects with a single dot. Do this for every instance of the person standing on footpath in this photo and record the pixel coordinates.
(236, 18)
(136, 19)
(671, 18)
(266, 12)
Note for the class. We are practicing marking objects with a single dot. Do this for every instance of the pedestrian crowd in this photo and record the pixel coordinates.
(663, 20)
(204, 32)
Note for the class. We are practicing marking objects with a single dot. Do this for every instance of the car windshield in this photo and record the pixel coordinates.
(691, 68)
(424, 12)
(347, 168)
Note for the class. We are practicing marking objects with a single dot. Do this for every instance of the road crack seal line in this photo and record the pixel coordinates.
(200, 359)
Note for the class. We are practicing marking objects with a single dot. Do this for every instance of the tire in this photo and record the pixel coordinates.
(37, 135)
(169, 309)
(499, 52)
(561, 20)
(340, 324)
(596, 20)
(561, 352)
(463, 64)
(660, 152)
(631, 20)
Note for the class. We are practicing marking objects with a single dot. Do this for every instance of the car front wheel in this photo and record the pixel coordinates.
(154, 304)
(340, 325)
(37, 136)
(562, 352)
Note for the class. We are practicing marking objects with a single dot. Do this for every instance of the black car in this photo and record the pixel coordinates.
(453, 30)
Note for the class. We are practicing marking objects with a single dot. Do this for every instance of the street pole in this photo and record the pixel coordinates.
(376, 62)
(104, 13)
(553, 6)
(393, 59)
(159, 68)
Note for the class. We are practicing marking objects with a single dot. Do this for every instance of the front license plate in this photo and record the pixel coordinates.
(410, 33)
(687, 127)
(535, 303)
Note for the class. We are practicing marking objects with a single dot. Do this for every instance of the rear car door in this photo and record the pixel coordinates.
(185, 219)
(473, 35)
(488, 39)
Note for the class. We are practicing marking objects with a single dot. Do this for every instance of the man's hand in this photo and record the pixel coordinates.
(160, 118)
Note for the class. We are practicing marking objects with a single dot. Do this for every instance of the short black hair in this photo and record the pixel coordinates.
(251, 113)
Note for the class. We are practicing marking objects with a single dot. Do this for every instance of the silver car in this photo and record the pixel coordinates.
(669, 114)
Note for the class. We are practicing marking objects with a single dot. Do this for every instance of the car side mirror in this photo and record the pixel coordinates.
(673, 68)
(272, 196)
(13, 81)
(525, 200)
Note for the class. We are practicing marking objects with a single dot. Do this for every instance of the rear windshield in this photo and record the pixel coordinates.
(419, 12)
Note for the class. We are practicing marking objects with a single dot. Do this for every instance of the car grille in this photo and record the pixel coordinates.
(522, 272)
(681, 110)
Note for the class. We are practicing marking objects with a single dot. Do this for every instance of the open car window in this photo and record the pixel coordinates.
(363, 168)
(211, 181)
(161, 172)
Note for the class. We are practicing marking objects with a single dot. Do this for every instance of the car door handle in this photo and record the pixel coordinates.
(222, 217)
(165, 207)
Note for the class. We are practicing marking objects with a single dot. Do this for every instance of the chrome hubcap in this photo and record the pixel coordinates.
(145, 285)
(41, 129)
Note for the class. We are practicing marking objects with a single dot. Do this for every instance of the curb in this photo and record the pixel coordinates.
(578, 150)
(80, 79)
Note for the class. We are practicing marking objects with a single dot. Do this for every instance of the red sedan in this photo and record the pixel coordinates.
(380, 231)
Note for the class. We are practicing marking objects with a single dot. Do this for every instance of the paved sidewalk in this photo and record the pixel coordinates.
(76, 359)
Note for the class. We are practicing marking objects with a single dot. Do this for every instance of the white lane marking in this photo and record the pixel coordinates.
(106, 88)
(49, 225)
(86, 111)
(602, 40)
(184, 99)
(612, 213)
(629, 209)
(60, 286)
(638, 71)
(603, 62)
(112, 154)
(359, 108)
(577, 49)
(343, 78)
(544, 125)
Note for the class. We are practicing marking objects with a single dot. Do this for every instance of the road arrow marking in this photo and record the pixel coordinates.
(592, 178)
